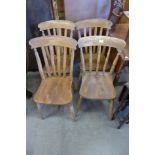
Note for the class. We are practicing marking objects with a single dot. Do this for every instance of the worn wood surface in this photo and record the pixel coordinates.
(54, 90)
(56, 84)
(99, 84)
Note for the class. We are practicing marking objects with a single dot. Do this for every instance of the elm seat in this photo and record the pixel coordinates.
(51, 88)
(97, 86)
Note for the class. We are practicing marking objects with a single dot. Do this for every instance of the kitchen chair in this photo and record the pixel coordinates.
(56, 86)
(93, 27)
(99, 84)
(57, 28)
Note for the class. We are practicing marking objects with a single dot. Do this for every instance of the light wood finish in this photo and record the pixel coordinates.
(54, 90)
(56, 85)
(99, 84)
(78, 104)
(93, 27)
(106, 60)
(57, 28)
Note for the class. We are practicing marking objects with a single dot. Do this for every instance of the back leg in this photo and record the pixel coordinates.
(72, 112)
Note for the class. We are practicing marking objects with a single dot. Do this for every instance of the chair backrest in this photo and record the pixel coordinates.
(57, 28)
(100, 42)
(60, 48)
(93, 27)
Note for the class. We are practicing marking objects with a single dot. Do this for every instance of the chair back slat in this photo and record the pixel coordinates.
(71, 63)
(79, 34)
(106, 60)
(43, 33)
(59, 32)
(59, 58)
(114, 63)
(90, 31)
(86, 50)
(82, 60)
(101, 43)
(47, 53)
(95, 31)
(58, 26)
(52, 56)
(54, 32)
(39, 65)
(90, 59)
(85, 33)
(98, 58)
(64, 61)
(65, 32)
(46, 61)
(49, 33)
(101, 31)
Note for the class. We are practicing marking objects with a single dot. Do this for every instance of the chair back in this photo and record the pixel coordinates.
(100, 42)
(57, 28)
(61, 51)
(93, 27)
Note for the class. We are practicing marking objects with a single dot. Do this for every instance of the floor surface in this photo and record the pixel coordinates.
(57, 134)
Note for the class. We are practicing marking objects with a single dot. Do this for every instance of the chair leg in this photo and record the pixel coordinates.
(110, 114)
(39, 106)
(78, 105)
(72, 111)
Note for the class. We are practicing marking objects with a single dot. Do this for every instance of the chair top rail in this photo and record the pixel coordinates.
(53, 41)
(56, 24)
(102, 41)
(104, 23)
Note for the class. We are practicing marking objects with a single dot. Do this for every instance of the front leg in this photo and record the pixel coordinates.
(78, 105)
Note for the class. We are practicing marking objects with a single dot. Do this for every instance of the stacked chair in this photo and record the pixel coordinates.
(58, 46)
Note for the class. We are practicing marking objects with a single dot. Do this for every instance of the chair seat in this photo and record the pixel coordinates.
(54, 90)
(97, 86)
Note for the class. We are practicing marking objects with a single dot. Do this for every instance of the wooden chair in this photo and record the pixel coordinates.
(57, 28)
(93, 27)
(56, 85)
(99, 84)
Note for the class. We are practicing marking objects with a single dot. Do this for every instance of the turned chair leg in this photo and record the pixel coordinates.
(110, 113)
(78, 104)
(72, 111)
(39, 106)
